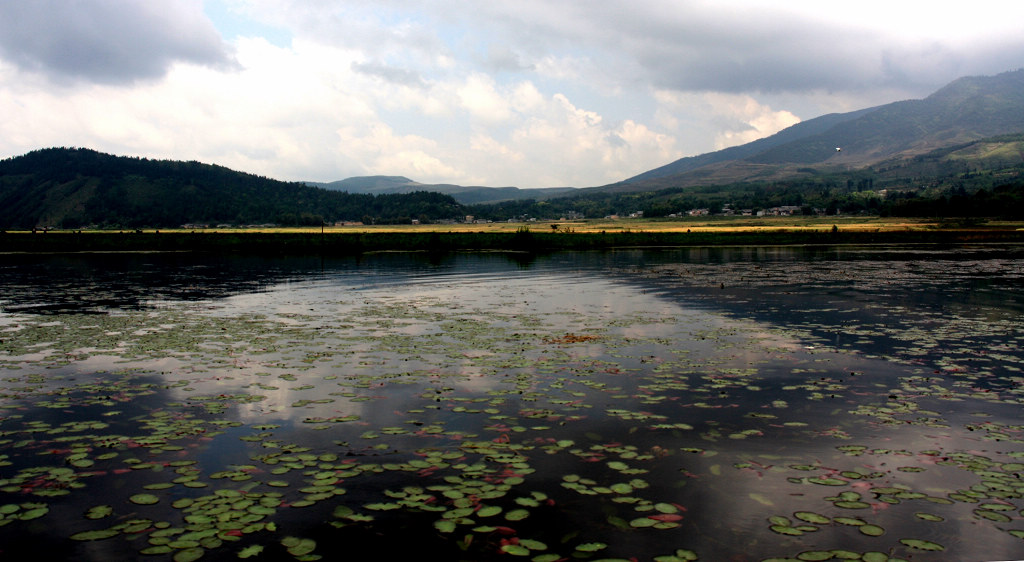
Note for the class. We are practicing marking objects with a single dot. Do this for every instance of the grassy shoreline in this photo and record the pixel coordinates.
(535, 237)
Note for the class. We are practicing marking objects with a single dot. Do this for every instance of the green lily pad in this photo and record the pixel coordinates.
(812, 517)
(144, 499)
(34, 513)
(871, 530)
(488, 511)
(298, 546)
(444, 525)
(250, 551)
(99, 534)
(515, 550)
(923, 545)
(815, 555)
(517, 515)
(786, 530)
(532, 544)
(99, 512)
(827, 481)
(189, 554)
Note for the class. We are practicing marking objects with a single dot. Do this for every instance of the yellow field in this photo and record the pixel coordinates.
(703, 224)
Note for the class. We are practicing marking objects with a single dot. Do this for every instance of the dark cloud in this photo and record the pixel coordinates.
(108, 41)
(391, 74)
(788, 61)
(738, 48)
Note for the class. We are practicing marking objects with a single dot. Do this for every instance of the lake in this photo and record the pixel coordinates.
(730, 403)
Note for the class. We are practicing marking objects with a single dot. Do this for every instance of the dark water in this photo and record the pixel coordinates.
(855, 403)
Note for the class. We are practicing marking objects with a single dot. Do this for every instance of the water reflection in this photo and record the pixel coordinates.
(587, 405)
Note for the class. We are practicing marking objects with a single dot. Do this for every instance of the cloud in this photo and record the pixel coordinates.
(384, 152)
(479, 96)
(108, 41)
(530, 93)
(400, 76)
(756, 120)
(501, 58)
(735, 118)
(383, 30)
(767, 46)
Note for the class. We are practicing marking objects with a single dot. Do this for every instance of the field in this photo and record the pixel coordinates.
(695, 224)
(531, 237)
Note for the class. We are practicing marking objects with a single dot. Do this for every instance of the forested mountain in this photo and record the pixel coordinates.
(75, 187)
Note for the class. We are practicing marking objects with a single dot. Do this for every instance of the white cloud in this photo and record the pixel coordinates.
(736, 119)
(760, 120)
(480, 97)
(582, 148)
(488, 147)
(530, 93)
(383, 152)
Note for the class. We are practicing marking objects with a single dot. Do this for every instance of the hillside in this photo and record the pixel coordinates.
(74, 187)
(467, 195)
(968, 109)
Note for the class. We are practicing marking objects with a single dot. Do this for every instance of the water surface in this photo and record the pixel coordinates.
(712, 403)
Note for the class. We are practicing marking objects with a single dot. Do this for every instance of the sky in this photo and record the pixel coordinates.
(526, 93)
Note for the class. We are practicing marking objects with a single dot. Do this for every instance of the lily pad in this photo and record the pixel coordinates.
(144, 499)
(871, 530)
(515, 550)
(923, 545)
(96, 535)
(517, 515)
(250, 551)
(488, 511)
(812, 517)
(99, 512)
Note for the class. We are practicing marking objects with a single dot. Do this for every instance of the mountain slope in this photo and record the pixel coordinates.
(74, 187)
(967, 109)
(796, 132)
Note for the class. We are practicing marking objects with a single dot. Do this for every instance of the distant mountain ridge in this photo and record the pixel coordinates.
(467, 195)
(965, 110)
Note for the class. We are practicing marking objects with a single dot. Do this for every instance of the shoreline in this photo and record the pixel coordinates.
(340, 243)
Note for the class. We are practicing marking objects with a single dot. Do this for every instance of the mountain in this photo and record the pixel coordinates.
(967, 109)
(369, 184)
(466, 195)
(75, 187)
